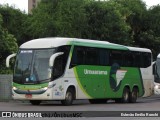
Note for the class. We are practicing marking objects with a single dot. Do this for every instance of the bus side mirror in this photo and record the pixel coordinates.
(8, 59)
(53, 57)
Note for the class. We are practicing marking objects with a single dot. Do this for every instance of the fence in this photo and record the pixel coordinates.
(5, 87)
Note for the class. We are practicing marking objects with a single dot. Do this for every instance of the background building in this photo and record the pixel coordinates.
(32, 4)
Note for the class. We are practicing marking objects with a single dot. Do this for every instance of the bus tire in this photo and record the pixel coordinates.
(35, 102)
(68, 98)
(133, 95)
(125, 95)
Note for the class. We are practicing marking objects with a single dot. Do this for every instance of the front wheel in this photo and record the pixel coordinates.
(68, 98)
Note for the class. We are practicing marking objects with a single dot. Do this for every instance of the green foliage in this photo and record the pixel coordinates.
(152, 23)
(65, 18)
(13, 22)
(106, 22)
(8, 45)
(41, 22)
(136, 10)
(70, 18)
(126, 22)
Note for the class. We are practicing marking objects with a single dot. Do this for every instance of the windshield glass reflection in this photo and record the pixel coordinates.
(32, 66)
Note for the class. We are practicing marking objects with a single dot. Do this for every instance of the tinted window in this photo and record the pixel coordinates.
(128, 59)
(92, 56)
(89, 56)
(136, 59)
(104, 57)
(60, 62)
(139, 59)
(116, 57)
(78, 56)
(146, 60)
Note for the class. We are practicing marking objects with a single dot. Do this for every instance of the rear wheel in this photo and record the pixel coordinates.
(35, 102)
(133, 95)
(68, 98)
(125, 96)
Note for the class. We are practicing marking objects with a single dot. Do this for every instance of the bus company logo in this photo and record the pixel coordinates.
(94, 72)
(6, 115)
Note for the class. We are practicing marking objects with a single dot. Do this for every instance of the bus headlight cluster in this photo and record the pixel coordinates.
(157, 86)
(45, 88)
(14, 88)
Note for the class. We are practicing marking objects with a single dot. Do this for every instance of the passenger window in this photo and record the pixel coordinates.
(104, 57)
(146, 60)
(128, 59)
(91, 57)
(116, 57)
(136, 59)
(78, 56)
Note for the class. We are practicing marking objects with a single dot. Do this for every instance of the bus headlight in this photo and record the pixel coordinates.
(14, 88)
(157, 86)
(45, 88)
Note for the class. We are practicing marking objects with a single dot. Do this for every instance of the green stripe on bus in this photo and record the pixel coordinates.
(30, 87)
(79, 83)
(99, 45)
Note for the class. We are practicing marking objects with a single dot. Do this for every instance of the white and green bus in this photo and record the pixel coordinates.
(67, 69)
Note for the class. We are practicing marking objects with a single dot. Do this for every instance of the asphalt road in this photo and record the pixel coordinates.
(150, 104)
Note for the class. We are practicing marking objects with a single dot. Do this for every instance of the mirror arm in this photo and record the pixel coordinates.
(52, 58)
(8, 59)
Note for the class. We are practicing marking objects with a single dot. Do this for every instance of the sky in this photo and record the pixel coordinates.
(23, 4)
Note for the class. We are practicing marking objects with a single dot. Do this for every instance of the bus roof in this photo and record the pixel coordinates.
(45, 43)
(60, 41)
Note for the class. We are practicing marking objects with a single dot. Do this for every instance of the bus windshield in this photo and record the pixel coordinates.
(157, 78)
(32, 66)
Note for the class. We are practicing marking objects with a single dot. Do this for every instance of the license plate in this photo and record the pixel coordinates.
(28, 96)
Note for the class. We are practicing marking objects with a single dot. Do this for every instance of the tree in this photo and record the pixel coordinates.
(8, 45)
(71, 18)
(152, 33)
(41, 22)
(105, 22)
(136, 11)
(13, 22)
(65, 18)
